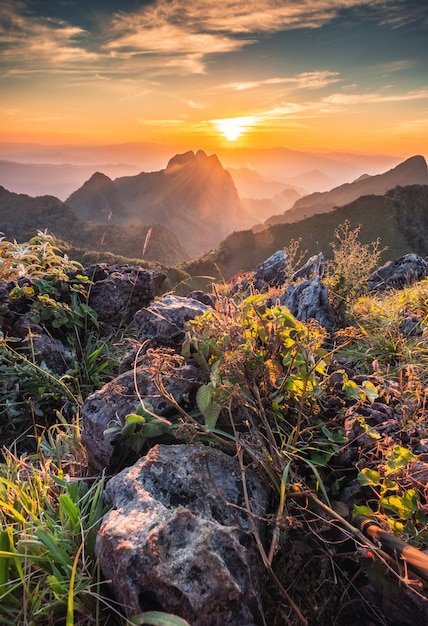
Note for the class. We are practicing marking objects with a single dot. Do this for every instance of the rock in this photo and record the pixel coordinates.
(50, 352)
(273, 271)
(117, 296)
(314, 266)
(178, 538)
(163, 321)
(309, 299)
(396, 274)
(206, 298)
(113, 402)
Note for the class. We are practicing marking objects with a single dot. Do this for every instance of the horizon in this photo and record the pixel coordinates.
(319, 77)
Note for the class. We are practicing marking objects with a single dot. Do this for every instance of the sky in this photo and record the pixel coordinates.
(322, 75)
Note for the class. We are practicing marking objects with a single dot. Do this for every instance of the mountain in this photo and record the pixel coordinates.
(412, 171)
(194, 197)
(284, 165)
(399, 218)
(40, 179)
(250, 184)
(21, 216)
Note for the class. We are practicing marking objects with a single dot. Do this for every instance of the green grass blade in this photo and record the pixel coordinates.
(59, 554)
(70, 600)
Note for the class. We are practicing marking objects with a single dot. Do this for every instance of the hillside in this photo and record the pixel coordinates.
(21, 216)
(413, 171)
(194, 197)
(399, 218)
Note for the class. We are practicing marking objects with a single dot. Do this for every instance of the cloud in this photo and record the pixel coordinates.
(305, 80)
(374, 98)
(169, 36)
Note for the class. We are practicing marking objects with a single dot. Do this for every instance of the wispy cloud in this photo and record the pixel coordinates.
(305, 80)
(374, 98)
(33, 40)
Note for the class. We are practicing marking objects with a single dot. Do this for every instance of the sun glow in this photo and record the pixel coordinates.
(233, 127)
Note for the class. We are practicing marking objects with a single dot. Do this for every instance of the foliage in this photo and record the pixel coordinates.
(264, 361)
(35, 257)
(49, 516)
(268, 400)
(352, 263)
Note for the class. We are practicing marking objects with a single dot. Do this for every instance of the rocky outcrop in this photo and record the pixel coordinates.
(178, 537)
(307, 300)
(162, 322)
(398, 273)
(122, 291)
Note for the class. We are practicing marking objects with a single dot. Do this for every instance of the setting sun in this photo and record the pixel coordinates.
(233, 127)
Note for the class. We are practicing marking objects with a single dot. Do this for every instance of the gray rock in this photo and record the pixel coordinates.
(309, 300)
(163, 321)
(50, 352)
(314, 266)
(179, 540)
(396, 274)
(123, 291)
(112, 403)
(272, 271)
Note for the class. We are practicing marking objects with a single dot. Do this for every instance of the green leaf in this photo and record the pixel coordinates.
(154, 428)
(404, 506)
(158, 618)
(211, 415)
(4, 560)
(58, 553)
(362, 510)
(352, 390)
(369, 477)
(72, 511)
(203, 398)
(398, 458)
(370, 390)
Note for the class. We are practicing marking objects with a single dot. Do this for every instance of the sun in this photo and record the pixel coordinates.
(233, 127)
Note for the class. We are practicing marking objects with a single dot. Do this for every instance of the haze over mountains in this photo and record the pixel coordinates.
(192, 207)
(413, 171)
(59, 170)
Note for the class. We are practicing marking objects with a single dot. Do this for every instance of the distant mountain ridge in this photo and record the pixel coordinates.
(413, 171)
(21, 216)
(195, 197)
(399, 218)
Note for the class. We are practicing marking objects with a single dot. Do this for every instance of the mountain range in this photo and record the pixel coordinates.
(190, 214)
(413, 171)
(36, 169)
(194, 197)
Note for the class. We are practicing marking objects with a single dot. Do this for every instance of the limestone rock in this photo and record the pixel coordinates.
(273, 270)
(178, 538)
(163, 321)
(396, 274)
(314, 266)
(309, 299)
(112, 403)
(122, 292)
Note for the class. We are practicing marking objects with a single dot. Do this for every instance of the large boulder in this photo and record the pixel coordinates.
(396, 274)
(273, 271)
(162, 323)
(309, 300)
(110, 405)
(120, 291)
(179, 537)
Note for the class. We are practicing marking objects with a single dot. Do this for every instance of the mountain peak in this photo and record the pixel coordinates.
(415, 164)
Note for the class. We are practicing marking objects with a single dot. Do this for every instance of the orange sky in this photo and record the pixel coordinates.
(323, 75)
